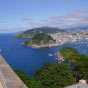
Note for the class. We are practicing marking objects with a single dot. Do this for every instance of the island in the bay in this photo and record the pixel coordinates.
(40, 40)
(40, 37)
(51, 36)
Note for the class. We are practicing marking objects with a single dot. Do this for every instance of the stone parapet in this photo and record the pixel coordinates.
(8, 78)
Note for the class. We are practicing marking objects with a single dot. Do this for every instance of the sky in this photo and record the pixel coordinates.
(19, 15)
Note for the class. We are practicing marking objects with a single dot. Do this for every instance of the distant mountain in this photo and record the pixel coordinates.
(79, 28)
(45, 30)
(32, 32)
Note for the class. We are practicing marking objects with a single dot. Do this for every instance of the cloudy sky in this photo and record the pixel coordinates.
(18, 15)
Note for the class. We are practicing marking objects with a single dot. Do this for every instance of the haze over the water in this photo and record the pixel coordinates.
(19, 15)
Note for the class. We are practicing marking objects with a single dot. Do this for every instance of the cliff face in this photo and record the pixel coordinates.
(60, 57)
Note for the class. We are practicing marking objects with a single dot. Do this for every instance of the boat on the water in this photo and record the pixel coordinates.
(50, 54)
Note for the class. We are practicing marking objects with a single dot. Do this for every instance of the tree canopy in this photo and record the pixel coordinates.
(81, 67)
(59, 75)
(54, 75)
(68, 53)
(51, 75)
(40, 38)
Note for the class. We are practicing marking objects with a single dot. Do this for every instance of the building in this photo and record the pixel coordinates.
(81, 84)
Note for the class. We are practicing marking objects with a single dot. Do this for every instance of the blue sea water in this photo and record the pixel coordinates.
(28, 59)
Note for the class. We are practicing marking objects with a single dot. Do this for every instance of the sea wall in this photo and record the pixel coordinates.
(8, 78)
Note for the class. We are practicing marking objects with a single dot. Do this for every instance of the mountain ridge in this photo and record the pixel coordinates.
(31, 32)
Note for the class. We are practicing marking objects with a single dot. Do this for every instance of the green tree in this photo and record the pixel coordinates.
(81, 67)
(54, 75)
(35, 83)
(23, 76)
(40, 38)
(68, 53)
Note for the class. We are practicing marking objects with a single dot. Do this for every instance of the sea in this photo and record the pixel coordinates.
(29, 59)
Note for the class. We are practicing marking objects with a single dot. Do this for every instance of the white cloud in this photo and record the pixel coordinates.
(77, 17)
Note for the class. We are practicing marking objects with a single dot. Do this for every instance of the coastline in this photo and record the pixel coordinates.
(40, 46)
(58, 56)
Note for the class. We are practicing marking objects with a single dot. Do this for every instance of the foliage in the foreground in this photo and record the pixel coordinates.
(23, 76)
(81, 67)
(68, 53)
(80, 61)
(35, 83)
(55, 75)
(51, 75)
(29, 82)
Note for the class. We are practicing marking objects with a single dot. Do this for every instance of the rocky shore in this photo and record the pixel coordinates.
(40, 46)
(58, 56)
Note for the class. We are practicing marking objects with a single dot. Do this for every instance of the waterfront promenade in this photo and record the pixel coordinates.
(8, 78)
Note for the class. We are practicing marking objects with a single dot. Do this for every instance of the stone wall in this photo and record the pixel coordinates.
(8, 78)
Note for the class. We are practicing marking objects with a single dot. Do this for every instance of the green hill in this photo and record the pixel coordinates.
(40, 39)
(68, 53)
(32, 32)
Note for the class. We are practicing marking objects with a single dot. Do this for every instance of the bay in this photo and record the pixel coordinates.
(29, 59)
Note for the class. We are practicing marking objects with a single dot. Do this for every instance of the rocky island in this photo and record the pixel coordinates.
(67, 54)
(40, 37)
(40, 40)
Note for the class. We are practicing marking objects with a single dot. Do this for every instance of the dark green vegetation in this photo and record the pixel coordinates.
(80, 68)
(32, 32)
(23, 76)
(40, 39)
(59, 75)
(39, 36)
(80, 61)
(51, 75)
(68, 53)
